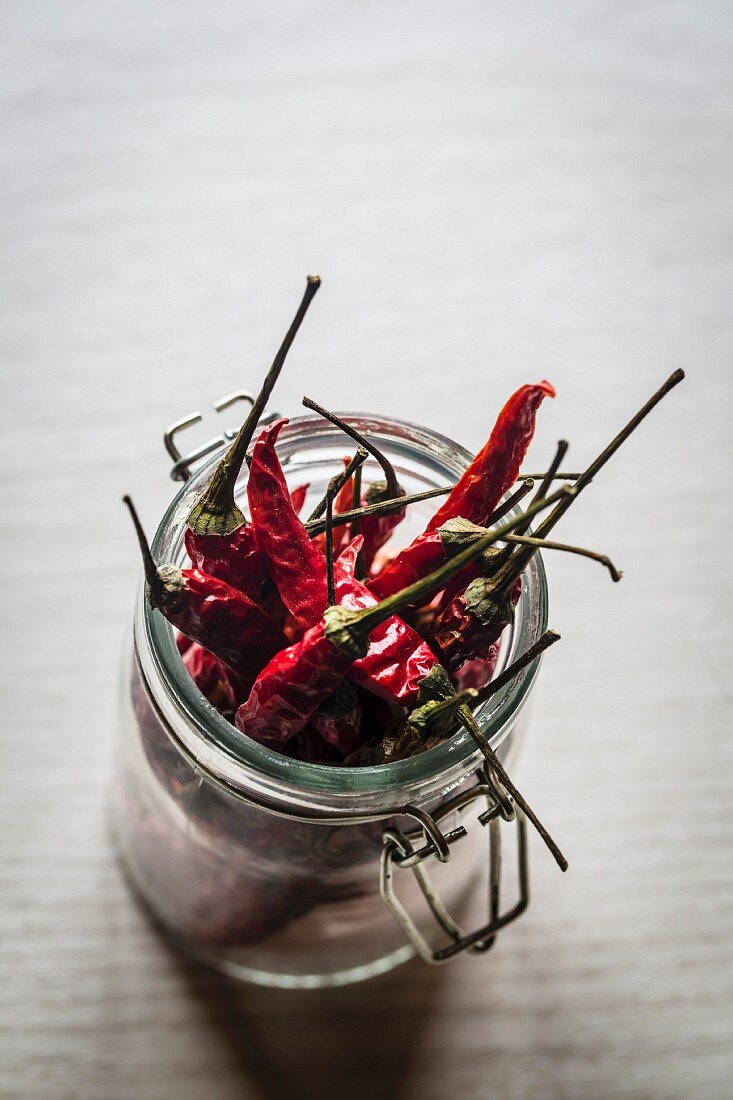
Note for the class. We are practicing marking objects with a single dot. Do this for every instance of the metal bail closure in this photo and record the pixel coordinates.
(182, 464)
(400, 852)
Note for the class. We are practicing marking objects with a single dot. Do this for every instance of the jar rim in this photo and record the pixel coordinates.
(250, 767)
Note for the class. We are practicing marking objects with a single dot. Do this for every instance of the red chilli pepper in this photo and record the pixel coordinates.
(398, 657)
(473, 622)
(476, 494)
(349, 556)
(291, 687)
(211, 612)
(235, 558)
(297, 565)
(476, 618)
(299, 679)
(494, 469)
(212, 677)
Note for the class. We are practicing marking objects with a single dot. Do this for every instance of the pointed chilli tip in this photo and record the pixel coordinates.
(270, 432)
(548, 387)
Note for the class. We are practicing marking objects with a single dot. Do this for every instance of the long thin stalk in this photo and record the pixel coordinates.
(496, 766)
(383, 508)
(341, 478)
(333, 488)
(393, 487)
(545, 544)
(396, 504)
(511, 502)
(215, 512)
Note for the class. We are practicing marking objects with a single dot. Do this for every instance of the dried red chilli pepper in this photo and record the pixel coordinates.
(338, 719)
(494, 469)
(349, 556)
(218, 538)
(289, 690)
(475, 496)
(398, 657)
(375, 529)
(211, 612)
(213, 679)
(300, 678)
(475, 619)
(297, 565)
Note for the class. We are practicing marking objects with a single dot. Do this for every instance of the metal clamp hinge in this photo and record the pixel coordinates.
(400, 852)
(182, 464)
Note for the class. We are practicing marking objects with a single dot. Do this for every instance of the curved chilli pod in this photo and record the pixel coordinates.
(475, 496)
(494, 469)
(211, 612)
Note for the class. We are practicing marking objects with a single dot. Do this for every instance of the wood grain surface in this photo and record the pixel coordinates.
(492, 194)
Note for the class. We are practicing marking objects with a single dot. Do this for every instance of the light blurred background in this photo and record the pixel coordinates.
(492, 194)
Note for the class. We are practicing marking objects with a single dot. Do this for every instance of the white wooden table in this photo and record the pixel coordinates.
(492, 194)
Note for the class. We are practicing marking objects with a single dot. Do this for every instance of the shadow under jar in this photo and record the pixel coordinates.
(267, 867)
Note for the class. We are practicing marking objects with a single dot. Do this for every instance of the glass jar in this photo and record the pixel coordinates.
(268, 867)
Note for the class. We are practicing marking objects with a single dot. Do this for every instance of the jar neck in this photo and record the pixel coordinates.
(307, 449)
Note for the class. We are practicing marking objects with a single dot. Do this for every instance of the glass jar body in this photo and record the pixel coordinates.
(263, 866)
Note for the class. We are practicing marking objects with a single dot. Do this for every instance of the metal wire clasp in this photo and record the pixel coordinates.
(399, 851)
(182, 464)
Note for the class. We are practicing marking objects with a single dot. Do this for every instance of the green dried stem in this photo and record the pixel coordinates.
(341, 478)
(562, 449)
(384, 508)
(545, 544)
(392, 487)
(462, 704)
(496, 766)
(333, 488)
(151, 569)
(356, 501)
(164, 583)
(560, 475)
(216, 512)
(512, 501)
(547, 480)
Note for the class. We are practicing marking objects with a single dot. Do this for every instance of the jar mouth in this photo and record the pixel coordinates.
(428, 458)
